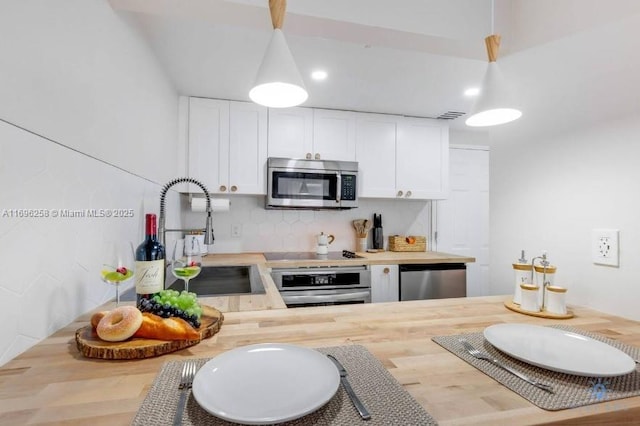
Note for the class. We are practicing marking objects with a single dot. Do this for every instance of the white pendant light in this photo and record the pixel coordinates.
(495, 104)
(278, 83)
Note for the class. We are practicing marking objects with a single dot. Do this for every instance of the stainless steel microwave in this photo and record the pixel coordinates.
(311, 184)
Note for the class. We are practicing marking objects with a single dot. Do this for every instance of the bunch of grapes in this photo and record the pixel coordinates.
(172, 303)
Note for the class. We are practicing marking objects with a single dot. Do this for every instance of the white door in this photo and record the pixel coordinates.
(334, 134)
(462, 221)
(247, 148)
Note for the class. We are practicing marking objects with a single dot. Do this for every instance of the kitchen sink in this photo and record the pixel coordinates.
(216, 281)
(224, 281)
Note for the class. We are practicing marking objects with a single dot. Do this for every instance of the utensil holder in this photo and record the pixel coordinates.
(361, 244)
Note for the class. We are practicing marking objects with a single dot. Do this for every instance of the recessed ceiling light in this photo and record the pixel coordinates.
(319, 75)
(472, 91)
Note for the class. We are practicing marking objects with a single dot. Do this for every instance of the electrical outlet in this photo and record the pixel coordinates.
(236, 230)
(605, 247)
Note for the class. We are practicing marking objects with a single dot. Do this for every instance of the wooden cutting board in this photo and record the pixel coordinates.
(91, 346)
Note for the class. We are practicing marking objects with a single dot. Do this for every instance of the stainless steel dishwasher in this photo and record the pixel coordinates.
(433, 281)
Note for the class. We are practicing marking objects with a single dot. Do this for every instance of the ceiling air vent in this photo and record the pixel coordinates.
(451, 115)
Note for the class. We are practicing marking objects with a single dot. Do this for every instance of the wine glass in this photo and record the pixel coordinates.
(187, 260)
(119, 264)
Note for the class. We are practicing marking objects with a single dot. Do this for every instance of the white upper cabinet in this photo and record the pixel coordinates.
(312, 134)
(422, 159)
(227, 145)
(334, 135)
(402, 157)
(247, 148)
(376, 153)
(290, 132)
(208, 143)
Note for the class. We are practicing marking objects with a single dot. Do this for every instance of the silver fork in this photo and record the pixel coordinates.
(481, 355)
(186, 380)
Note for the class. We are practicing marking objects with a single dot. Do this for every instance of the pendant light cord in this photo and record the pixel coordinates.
(493, 15)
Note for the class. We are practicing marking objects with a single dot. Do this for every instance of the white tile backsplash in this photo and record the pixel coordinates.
(51, 264)
(295, 230)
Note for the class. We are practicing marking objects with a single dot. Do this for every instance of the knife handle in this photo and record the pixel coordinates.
(364, 413)
(177, 419)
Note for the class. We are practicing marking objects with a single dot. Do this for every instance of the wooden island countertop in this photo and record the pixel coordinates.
(52, 383)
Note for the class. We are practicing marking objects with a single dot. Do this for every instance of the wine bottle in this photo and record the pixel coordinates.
(150, 266)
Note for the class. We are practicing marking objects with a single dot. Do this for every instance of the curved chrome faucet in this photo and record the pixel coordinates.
(208, 229)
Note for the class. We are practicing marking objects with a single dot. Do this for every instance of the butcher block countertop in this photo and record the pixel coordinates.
(53, 384)
(272, 300)
(426, 257)
(380, 258)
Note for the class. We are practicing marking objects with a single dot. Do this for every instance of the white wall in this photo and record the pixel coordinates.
(74, 71)
(549, 193)
(88, 120)
(571, 165)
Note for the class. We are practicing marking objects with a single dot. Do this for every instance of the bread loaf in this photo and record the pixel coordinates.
(172, 328)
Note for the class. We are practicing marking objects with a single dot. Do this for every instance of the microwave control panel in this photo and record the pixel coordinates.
(348, 187)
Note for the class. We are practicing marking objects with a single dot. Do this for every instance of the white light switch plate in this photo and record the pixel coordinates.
(605, 247)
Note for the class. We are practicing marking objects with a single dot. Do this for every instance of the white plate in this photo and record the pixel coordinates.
(559, 350)
(266, 383)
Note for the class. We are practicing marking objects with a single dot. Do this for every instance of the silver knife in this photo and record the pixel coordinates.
(364, 413)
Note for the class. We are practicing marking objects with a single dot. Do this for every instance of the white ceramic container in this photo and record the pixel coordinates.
(529, 300)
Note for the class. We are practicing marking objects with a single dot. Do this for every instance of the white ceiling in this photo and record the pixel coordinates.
(409, 57)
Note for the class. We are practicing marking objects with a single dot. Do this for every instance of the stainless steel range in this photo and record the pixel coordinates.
(322, 284)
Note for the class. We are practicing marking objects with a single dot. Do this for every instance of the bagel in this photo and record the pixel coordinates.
(119, 324)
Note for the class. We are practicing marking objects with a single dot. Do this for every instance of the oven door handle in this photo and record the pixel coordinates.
(320, 298)
(339, 187)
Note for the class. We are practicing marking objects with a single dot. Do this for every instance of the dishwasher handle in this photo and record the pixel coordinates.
(432, 267)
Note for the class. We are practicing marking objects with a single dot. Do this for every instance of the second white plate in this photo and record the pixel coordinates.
(559, 350)
(265, 383)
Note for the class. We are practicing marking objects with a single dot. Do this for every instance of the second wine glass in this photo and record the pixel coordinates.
(186, 262)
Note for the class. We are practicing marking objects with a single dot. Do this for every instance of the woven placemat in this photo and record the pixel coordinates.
(570, 391)
(385, 398)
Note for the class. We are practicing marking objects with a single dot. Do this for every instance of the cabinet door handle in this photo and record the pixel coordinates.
(234, 188)
(308, 156)
(223, 188)
(400, 193)
(408, 194)
(386, 270)
(317, 156)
